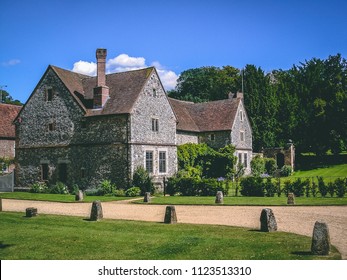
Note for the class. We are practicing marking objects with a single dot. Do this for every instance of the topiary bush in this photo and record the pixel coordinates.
(340, 187)
(323, 189)
(270, 188)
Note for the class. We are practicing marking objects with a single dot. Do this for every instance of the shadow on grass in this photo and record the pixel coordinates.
(4, 246)
(301, 253)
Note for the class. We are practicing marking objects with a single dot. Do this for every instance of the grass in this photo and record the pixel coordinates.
(48, 237)
(57, 197)
(251, 201)
(330, 171)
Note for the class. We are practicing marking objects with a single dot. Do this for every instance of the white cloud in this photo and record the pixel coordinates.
(11, 62)
(124, 62)
(84, 67)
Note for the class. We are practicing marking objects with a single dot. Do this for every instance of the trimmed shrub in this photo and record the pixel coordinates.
(252, 186)
(39, 187)
(195, 187)
(133, 191)
(331, 188)
(340, 187)
(323, 189)
(297, 187)
(270, 188)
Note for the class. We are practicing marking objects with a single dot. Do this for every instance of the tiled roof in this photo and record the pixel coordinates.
(125, 88)
(203, 117)
(7, 115)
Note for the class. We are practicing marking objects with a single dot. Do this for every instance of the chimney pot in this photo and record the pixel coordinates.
(101, 91)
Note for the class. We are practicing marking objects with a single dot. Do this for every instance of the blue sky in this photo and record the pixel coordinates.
(172, 35)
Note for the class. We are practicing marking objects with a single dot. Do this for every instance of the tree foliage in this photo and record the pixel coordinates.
(307, 103)
(6, 98)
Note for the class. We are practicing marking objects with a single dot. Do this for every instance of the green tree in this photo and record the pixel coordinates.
(6, 98)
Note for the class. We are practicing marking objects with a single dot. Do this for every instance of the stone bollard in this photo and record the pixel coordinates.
(96, 213)
(291, 199)
(79, 196)
(219, 197)
(267, 220)
(320, 239)
(170, 215)
(147, 197)
(31, 212)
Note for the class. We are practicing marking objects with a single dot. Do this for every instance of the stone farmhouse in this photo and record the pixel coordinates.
(81, 130)
(8, 113)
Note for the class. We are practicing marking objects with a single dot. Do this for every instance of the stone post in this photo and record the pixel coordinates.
(79, 196)
(267, 220)
(320, 239)
(31, 212)
(291, 199)
(147, 197)
(219, 197)
(170, 215)
(96, 213)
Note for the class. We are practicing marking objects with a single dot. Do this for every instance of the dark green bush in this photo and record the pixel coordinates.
(270, 166)
(286, 171)
(297, 187)
(59, 188)
(252, 186)
(143, 180)
(195, 187)
(270, 188)
(331, 188)
(340, 187)
(323, 189)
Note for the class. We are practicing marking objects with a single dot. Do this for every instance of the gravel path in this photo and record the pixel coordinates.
(298, 219)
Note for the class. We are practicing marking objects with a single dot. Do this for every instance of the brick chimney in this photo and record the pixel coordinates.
(101, 91)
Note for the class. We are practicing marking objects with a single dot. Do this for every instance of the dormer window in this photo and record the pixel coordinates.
(242, 136)
(49, 94)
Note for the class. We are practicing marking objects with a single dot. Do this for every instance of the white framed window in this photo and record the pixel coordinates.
(149, 161)
(155, 125)
(245, 160)
(162, 162)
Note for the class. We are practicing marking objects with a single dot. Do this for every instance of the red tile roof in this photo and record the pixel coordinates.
(125, 88)
(203, 117)
(8, 113)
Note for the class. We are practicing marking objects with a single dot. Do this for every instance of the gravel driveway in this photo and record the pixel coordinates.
(296, 219)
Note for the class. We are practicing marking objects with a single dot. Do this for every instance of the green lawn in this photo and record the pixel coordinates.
(260, 201)
(56, 237)
(331, 171)
(57, 197)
